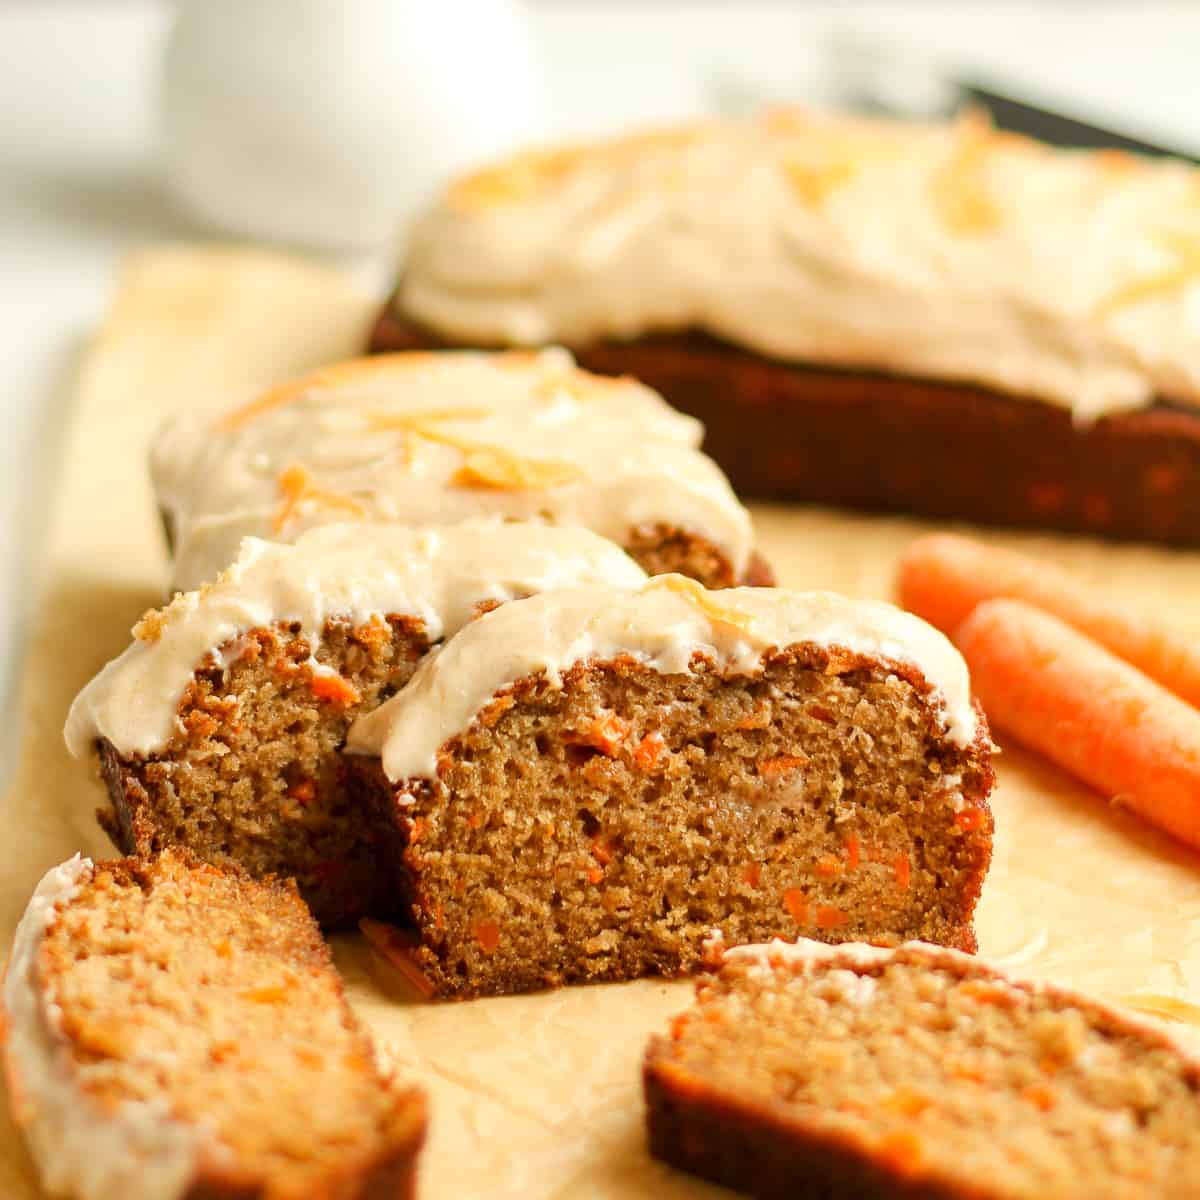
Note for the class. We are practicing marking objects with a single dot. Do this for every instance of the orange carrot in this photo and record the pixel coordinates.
(487, 934)
(1063, 695)
(943, 578)
(335, 689)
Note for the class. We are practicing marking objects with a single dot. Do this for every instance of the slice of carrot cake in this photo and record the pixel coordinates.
(583, 784)
(219, 727)
(858, 1072)
(175, 1030)
(438, 438)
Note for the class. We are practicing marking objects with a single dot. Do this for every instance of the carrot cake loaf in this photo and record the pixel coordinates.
(219, 727)
(177, 1031)
(853, 1071)
(437, 438)
(940, 318)
(583, 784)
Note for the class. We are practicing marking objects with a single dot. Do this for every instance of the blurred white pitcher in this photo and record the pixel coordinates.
(326, 122)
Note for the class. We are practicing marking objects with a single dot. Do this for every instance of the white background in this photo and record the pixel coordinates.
(79, 185)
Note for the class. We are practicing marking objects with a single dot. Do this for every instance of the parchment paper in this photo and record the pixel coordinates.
(534, 1097)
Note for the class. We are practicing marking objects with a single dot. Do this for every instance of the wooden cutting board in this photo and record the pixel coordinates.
(536, 1096)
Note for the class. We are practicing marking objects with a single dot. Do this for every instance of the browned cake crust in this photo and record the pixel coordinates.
(168, 976)
(254, 777)
(1018, 1071)
(898, 444)
(601, 830)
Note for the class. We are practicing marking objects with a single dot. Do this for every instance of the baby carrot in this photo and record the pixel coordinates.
(1068, 698)
(943, 577)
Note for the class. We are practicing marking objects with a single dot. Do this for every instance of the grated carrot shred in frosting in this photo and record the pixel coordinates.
(960, 188)
(296, 487)
(1184, 272)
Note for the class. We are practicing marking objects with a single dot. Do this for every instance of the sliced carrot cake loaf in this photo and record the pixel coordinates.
(583, 784)
(437, 438)
(939, 317)
(175, 1030)
(219, 727)
(853, 1071)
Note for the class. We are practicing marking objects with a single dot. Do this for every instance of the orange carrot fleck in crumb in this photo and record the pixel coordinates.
(796, 902)
(853, 850)
(304, 791)
(271, 994)
(416, 831)
(901, 1150)
(474, 820)
(983, 992)
(222, 1051)
(902, 869)
(678, 1025)
(829, 867)
(969, 818)
(334, 689)
(829, 917)
(495, 710)
(374, 634)
(310, 1057)
(908, 1102)
(605, 733)
(439, 917)
(647, 752)
(768, 768)
(595, 874)
(487, 934)
(752, 874)
(602, 850)
(961, 1068)
(857, 1107)
(1041, 1095)
(223, 949)
(820, 713)
(760, 718)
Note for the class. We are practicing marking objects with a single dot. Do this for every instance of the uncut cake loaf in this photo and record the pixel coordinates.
(858, 1072)
(937, 318)
(436, 438)
(582, 785)
(219, 727)
(178, 1032)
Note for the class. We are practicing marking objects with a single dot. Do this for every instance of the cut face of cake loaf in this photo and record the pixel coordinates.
(943, 318)
(219, 728)
(583, 785)
(176, 1031)
(436, 438)
(854, 1072)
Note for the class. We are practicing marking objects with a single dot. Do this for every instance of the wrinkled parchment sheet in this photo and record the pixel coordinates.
(535, 1096)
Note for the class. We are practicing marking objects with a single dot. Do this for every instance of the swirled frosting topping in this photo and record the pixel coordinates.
(951, 251)
(438, 438)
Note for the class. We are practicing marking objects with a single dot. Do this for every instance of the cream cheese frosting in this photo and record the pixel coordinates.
(137, 1149)
(360, 571)
(662, 625)
(425, 438)
(950, 251)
